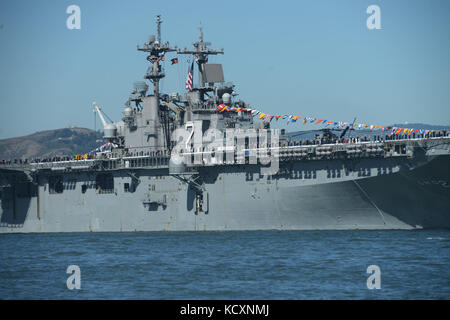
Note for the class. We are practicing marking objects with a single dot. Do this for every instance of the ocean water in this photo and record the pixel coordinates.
(227, 265)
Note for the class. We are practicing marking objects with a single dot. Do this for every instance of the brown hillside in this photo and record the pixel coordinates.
(50, 143)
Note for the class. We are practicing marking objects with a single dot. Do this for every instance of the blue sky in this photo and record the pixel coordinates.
(308, 58)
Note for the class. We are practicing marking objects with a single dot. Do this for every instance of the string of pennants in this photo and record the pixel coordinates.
(317, 121)
(106, 146)
(101, 148)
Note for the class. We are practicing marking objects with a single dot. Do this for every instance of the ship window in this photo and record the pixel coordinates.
(104, 183)
(83, 188)
(55, 184)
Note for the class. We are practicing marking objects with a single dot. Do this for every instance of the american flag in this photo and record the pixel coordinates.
(189, 77)
(161, 58)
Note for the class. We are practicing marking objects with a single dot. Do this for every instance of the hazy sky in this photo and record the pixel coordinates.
(309, 58)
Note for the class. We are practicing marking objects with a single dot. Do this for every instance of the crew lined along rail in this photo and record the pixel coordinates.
(353, 147)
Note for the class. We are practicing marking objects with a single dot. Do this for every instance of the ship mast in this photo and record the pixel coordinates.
(200, 54)
(156, 51)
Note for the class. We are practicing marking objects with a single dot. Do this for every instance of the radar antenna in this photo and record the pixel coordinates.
(200, 53)
(157, 51)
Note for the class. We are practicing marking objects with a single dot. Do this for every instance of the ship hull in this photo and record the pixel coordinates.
(309, 196)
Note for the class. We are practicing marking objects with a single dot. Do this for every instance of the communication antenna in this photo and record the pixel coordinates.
(156, 51)
(200, 55)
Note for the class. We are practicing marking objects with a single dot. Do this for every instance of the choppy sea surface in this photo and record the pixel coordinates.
(226, 265)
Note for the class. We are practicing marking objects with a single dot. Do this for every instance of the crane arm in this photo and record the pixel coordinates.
(100, 114)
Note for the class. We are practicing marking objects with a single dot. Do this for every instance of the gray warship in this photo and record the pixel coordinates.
(175, 162)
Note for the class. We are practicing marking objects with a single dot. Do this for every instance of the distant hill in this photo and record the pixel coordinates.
(44, 144)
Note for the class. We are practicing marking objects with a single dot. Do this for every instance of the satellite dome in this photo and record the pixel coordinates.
(226, 98)
(127, 112)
